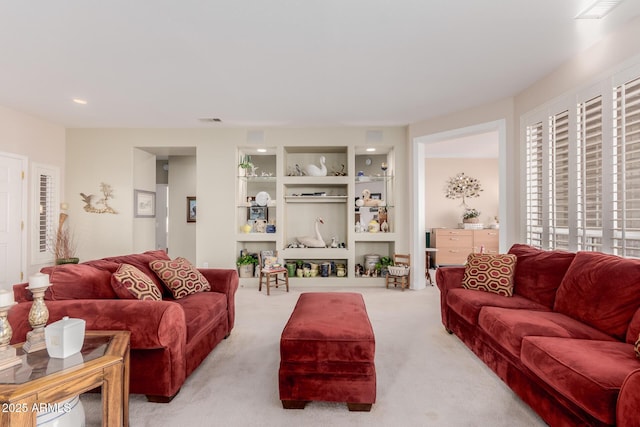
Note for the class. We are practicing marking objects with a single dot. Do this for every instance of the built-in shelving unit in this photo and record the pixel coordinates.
(295, 201)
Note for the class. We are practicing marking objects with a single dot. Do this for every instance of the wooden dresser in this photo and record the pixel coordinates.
(455, 244)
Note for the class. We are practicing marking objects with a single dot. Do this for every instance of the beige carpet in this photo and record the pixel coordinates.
(425, 377)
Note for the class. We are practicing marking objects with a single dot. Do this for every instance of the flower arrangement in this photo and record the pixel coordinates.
(470, 213)
(462, 187)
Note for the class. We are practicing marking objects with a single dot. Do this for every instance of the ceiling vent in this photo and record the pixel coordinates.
(210, 120)
(598, 9)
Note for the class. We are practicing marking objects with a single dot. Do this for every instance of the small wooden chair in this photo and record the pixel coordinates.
(403, 280)
(267, 272)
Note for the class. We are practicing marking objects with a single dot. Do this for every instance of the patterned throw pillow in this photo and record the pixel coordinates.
(637, 347)
(180, 276)
(129, 282)
(490, 273)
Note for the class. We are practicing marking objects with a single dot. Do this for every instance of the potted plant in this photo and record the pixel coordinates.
(470, 216)
(245, 164)
(246, 264)
(385, 262)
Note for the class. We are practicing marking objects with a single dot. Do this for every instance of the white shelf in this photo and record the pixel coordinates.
(314, 253)
(256, 237)
(331, 197)
(315, 199)
(315, 180)
(375, 237)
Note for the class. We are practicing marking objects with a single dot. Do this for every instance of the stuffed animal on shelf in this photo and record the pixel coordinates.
(368, 201)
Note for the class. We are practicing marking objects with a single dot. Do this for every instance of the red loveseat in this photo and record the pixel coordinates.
(169, 338)
(564, 342)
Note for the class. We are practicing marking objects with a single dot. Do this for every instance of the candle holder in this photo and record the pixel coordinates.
(38, 317)
(8, 356)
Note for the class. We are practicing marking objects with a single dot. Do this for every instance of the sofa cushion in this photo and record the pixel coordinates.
(601, 290)
(539, 273)
(79, 281)
(490, 273)
(508, 327)
(202, 312)
(587, 372)
(141, 261)
(129, 282)
(180, 276)
(467, 303)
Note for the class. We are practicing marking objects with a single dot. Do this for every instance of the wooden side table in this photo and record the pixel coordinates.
(102, 362)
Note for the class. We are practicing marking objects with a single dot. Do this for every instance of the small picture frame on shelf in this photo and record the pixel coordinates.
(376, 196)
(191, 209)
(258, 213)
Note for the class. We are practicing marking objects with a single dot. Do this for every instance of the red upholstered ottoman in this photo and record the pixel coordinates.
(326, 352)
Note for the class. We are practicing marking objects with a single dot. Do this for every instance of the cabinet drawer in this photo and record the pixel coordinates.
(452, 256)
(486, 237)
(448, 238)
(454, 241)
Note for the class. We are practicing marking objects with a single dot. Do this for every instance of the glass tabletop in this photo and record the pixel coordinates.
(38, 364)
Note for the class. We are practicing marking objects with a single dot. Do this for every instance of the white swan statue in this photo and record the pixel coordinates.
(314, 242)
(313, 170)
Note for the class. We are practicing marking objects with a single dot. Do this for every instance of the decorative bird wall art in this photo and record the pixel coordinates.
(96, 204)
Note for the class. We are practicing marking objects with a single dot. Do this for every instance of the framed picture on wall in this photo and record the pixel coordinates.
(144, 204)
(191, 209)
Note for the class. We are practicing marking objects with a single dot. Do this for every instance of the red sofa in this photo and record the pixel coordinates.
(169, 338)
(564, 342)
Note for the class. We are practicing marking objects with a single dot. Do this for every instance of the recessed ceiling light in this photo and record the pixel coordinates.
(371, 150)
(598, 9)
(261, 150)
(79, 101)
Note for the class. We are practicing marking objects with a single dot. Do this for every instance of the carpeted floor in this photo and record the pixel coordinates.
(425, 377)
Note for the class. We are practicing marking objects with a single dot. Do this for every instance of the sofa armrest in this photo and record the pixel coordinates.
(447, 278)
(628, 407)
(153, 324)
(226, 282)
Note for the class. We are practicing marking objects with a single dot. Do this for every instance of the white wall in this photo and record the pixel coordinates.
(105, 155)
(182, 184)
(443, 212)
(40, 142)
(144, 178)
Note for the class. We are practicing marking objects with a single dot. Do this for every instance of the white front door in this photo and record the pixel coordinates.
(11, 240)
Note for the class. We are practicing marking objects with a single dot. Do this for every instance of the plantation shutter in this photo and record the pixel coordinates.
(589, 175)
(559, 181)
(534, 219)
(626, 156)
(46, 190)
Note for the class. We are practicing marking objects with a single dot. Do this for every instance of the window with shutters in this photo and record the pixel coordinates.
(582, 169)
(46, 190)
(558, 195)
(626, 170)
(534, 218)
(589, 175)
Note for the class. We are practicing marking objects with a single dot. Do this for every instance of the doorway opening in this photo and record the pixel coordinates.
(420, 147)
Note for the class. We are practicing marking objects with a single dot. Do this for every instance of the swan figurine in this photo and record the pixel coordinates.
(313, 170)
(314, 242)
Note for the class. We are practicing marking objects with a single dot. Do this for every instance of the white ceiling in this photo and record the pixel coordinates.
(261, 63)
